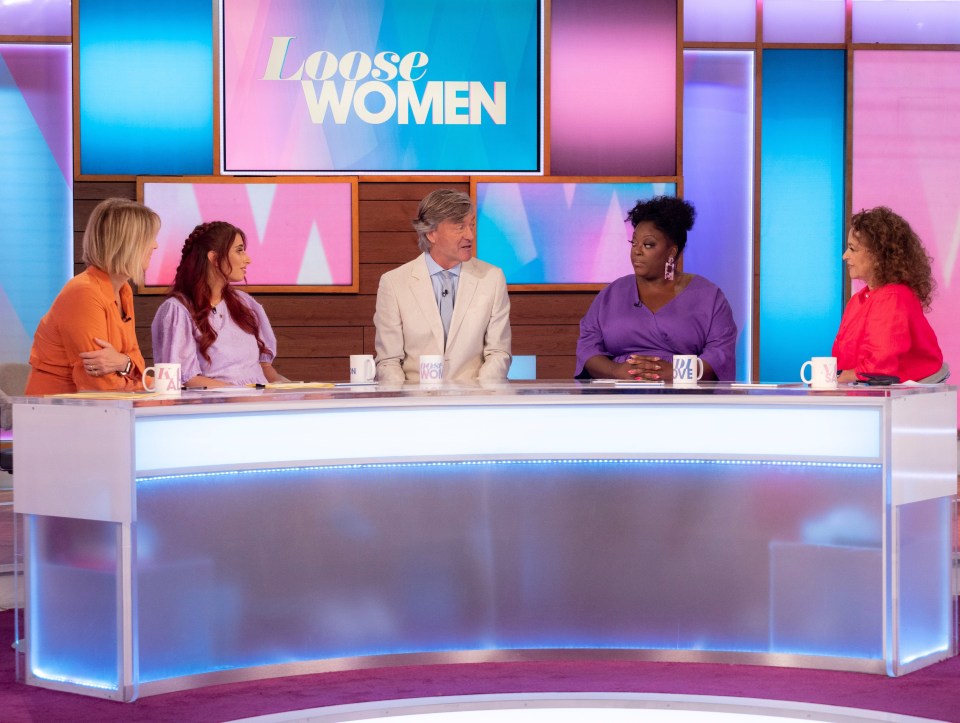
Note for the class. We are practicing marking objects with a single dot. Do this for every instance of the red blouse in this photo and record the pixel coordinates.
(884, 331)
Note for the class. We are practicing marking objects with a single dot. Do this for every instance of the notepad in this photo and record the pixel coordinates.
(224, 390)
(295, 385)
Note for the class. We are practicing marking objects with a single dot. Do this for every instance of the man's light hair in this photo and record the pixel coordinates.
(117, 236)
(440, 205)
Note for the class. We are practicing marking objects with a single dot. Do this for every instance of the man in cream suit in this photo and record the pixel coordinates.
(444, 301)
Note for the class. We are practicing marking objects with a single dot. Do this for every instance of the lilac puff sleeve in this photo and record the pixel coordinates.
(267, 336)
(174, 340)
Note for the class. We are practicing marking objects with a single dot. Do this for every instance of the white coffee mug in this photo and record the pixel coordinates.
(823, 372)
(431, 368)
(687, 369)
(166, 379)
(362, 368)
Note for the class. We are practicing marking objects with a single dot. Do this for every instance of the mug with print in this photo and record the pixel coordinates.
(165, 379)
(431, 369)
(363, 370)
(823, 372)
(687, 369)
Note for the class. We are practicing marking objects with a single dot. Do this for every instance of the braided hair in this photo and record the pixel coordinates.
(191, 288)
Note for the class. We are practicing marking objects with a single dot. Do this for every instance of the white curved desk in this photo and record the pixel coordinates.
(222, 537)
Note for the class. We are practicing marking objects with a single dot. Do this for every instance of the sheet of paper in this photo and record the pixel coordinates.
(106, 395)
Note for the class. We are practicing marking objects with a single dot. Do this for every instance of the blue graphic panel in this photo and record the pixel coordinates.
(146, 87)
(559, 233)
(801, 219)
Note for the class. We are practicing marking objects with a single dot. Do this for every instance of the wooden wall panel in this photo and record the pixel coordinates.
(317, 332)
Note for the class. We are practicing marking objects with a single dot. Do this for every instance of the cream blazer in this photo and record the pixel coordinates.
(408, 324)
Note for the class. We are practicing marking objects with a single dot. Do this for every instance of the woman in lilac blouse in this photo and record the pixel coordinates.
(219, 335)
(636, 324)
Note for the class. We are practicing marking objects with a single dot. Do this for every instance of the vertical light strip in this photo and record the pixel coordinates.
(36, 189)
(801, 219)
(718, 141)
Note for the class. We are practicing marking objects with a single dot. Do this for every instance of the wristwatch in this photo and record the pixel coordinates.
(127, 368)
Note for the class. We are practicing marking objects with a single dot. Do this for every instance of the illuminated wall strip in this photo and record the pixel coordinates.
(802, 21)
(37, 18)
(146, 87)
(906, 21)
(801, 216)
(718, 141)
(713, 21)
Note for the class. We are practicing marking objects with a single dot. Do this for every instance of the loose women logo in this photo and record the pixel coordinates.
(366, 92)
(683, 369)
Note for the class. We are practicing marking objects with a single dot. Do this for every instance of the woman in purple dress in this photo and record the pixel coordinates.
(219, 335)
(636, 325)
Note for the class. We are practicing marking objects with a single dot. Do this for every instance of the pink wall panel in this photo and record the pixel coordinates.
(906, 155)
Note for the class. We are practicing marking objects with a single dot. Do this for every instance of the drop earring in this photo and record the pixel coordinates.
(669, 268)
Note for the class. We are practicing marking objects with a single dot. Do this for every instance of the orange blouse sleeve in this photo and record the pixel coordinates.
(85, 315)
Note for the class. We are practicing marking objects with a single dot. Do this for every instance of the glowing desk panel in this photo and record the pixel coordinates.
(208, 539)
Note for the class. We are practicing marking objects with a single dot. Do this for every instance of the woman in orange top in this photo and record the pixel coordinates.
(88, 341)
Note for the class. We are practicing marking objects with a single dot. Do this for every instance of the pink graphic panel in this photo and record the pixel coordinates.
(298, 234)
(906, 155)
(613, 88)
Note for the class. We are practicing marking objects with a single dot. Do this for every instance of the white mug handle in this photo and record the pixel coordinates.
(145, 377)
(372, 367)
(699, 369)
(802, 368)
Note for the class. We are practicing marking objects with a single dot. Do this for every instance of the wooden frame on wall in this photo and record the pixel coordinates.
(572, 217)
(311, 222)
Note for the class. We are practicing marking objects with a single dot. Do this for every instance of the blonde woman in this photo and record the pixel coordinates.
(88, 341)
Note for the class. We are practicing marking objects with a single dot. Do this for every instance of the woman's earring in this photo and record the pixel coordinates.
(669, 268)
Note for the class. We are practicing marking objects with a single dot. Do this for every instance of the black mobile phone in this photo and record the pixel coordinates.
(877, 380)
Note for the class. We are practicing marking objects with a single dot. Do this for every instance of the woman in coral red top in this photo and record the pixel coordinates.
(88, 341)
(884, 330)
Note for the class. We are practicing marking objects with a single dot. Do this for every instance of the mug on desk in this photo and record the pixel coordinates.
(362, 368)
(431, 368)
(823, 372)
(165, 379)
(687, 369)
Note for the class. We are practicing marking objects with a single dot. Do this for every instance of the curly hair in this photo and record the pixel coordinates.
(900, 255)
(672, 216)
(191, 288)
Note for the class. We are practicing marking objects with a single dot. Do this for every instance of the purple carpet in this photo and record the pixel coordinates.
(930, 693)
